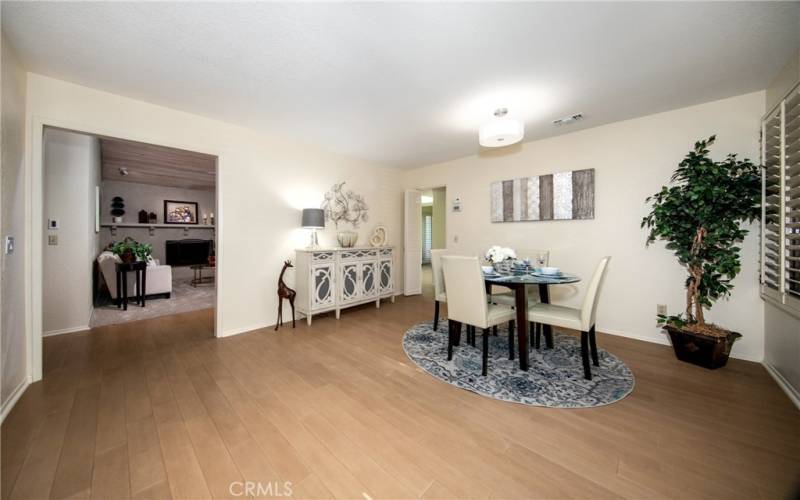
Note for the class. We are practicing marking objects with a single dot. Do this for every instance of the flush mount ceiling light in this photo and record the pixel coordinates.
(501, 131)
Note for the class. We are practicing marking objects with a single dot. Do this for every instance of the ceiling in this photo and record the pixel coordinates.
(158, 165)
(408, 84)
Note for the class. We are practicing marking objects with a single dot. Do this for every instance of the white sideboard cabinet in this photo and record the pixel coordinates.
(332, 279)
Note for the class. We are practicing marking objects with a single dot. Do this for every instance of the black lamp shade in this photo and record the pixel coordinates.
(313, 218)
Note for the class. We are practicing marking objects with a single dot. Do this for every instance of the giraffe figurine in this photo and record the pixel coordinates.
(284, 292)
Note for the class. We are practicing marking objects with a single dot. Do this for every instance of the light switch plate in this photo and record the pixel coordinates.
(52, 239)
(8, 247)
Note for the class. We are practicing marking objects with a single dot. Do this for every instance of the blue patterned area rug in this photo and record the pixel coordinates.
(555, 378)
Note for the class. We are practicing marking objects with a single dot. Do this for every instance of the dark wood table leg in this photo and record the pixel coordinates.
(544, 297)
(119, 289)
(144, 284)
(521, 305)
(489, 294)
(124, 291)
(138, 287)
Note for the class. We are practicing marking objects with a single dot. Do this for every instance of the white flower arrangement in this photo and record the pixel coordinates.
(499, 254)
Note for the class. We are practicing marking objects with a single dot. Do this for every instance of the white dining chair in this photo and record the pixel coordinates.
(439, 294)
(467, 303)
(582, 319)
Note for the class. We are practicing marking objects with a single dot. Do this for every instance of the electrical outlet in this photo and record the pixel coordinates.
(455, 238)
(52, 239)
(661, 309)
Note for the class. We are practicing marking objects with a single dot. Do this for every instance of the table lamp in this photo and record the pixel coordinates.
(313, 218)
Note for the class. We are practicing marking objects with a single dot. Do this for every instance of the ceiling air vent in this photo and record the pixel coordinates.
(568, 119)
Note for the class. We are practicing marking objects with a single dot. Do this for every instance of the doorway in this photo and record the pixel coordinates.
(108, 201)
(425, 231)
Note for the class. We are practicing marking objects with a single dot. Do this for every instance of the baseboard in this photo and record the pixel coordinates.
(12, 400)
(663, 340)
(643, 338)
(784, 384)
(747, 357)
(65, 330)
(245, 329)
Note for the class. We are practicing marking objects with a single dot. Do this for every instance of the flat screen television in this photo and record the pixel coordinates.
(188, 252)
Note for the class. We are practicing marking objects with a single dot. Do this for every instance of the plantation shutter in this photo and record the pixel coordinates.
(771, 235)
(792, 190)
(780, 225)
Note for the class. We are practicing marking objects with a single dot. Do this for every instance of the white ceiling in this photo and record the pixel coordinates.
(408, 84)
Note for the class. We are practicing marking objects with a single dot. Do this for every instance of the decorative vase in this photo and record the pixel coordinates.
(504, 267)
(347, 239)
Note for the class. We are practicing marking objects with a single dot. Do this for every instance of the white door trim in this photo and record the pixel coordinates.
(412, 243)
(34, 191)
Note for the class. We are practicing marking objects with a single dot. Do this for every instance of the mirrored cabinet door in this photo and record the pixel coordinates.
(322, 286)
(349, 288)
(386, 276)
(369, 281)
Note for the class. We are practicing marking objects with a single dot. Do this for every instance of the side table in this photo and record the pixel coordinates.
(197, 274)
(139, 269)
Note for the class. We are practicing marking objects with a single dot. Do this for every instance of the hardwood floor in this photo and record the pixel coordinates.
(160, 409)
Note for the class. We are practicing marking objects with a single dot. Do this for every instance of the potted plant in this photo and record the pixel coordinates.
(700, 216)
(129, 250)
(117, 209)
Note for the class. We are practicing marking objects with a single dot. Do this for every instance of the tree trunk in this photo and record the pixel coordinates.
(694, 308)
(693, 288)
(698, 306)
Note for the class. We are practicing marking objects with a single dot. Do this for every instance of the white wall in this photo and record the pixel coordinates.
(633, 159)
(12, 213)
(151, 198)
(264, 182)
(71, 172)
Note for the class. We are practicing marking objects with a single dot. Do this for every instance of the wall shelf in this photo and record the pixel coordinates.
(152, 227)
(173, 226)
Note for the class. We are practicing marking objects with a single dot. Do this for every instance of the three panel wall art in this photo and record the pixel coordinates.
(559, 196)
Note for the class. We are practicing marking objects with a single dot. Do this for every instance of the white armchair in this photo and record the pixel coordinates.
(159, 278)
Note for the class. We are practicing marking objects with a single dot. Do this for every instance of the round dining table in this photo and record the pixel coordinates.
(518, 281)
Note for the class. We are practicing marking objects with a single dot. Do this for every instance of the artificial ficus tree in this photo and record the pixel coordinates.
(700, 216)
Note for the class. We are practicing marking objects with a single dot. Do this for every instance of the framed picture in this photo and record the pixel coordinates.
(180, 212)
(559, 196)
